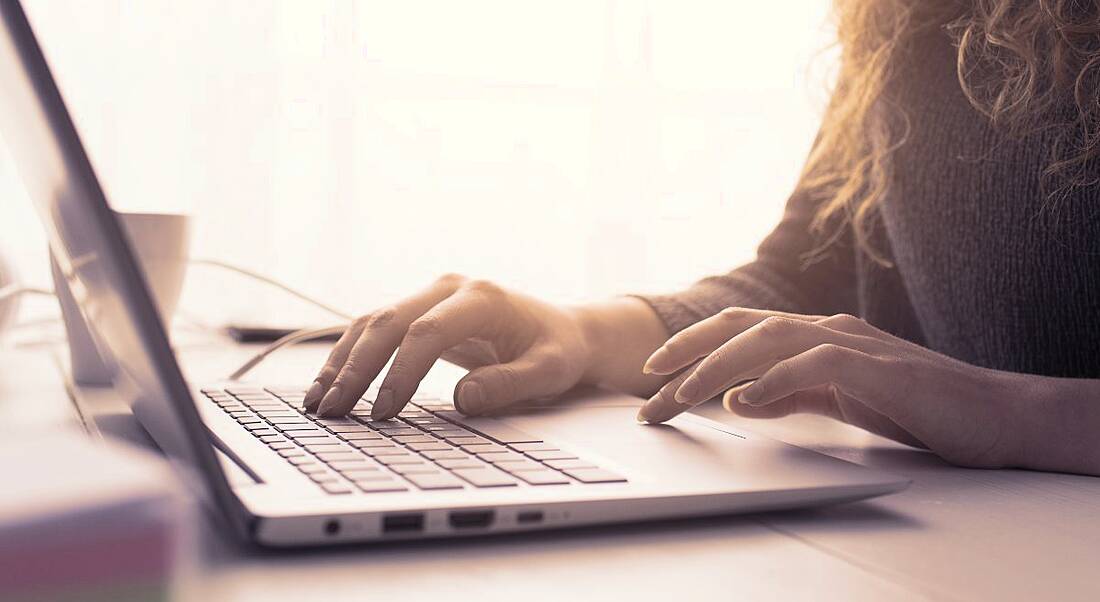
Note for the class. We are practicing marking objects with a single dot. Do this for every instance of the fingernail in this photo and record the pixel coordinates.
(472, 397)
(749, 396)
(330, 401)
(655, 360)
(314, 394)
(687, 391)
(383, 405)
(640, 418)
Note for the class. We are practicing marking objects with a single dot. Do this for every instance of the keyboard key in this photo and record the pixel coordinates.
(395, 432)
(361, 436)
(318, 448)
(338, 456)
(557, 454)
(492, 428)
(312, 468)
(336, 488)
(279, 445)
(250, 419)
(340, 429)
(405, 459)
(415, 439)
(467, 439)
(526, 447)
(299, 427)
(373, 443)
(452, 454)
(381, 452)
(286, 420)
(261, 432)
(367, 475)
(501, 456)
(542, 477)
(357, 464)
(570, 464)
(406, 469)
(323, 477)
(486, 477)
(299, 460)
(595, 475)
(483, 448)
(467, 462)
(380, 486)
(434, 481)
(430, 446)
(274, 438)
(291, 452)
(318, 441)
(519, 466)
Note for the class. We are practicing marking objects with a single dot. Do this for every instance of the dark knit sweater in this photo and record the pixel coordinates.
(984, 268)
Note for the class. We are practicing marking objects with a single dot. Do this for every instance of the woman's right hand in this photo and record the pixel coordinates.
(516, 348)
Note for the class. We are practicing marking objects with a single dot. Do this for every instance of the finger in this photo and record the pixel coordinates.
(858, 374)
(381, 332)
(663, 405)
(700, 339)
(812, 401)
(335, 361)
(760, 347)
(459, 317)
(862, 383)
(541, 372)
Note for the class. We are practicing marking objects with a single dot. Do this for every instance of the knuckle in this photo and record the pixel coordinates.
(774, 325)
(381, 318)
(328, 373)
(360, 322)
(450, 280)
(425, 327)
(483, 287)
(830, 353)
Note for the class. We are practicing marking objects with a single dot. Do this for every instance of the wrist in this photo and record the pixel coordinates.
(1053, 424)
(620, 334)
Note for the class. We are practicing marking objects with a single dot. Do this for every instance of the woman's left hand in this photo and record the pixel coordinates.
(842, 367)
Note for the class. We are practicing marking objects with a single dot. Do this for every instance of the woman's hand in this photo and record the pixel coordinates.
(844, 368)
(516, 347)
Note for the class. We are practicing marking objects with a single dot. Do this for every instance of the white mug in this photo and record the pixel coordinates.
(161, 242)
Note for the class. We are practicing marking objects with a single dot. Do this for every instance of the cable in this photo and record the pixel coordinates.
(290, 339)
(15, 290)
(272, 282)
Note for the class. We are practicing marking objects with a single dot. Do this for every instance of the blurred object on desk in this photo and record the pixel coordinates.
(90, 520)
(9, 306)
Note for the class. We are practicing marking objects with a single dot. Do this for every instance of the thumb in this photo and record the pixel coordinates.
(537, 373)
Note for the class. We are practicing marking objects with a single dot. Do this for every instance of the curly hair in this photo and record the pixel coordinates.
(1026, 65)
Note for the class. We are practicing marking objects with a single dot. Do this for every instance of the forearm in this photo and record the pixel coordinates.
(621, 334)
(1056, 425)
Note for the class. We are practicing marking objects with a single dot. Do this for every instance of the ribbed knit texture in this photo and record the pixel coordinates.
(986, 269)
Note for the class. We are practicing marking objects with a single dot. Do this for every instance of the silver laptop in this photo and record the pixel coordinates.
(281, 477)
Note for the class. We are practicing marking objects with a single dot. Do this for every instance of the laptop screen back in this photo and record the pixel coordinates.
(94, 256)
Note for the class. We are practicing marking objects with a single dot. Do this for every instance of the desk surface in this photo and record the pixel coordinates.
(955, 534)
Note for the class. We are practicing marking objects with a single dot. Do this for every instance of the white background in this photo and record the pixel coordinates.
(574, 149)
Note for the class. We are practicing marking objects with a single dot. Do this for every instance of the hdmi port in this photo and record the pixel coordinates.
(471, 519)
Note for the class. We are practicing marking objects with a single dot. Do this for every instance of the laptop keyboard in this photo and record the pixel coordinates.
(428, 446)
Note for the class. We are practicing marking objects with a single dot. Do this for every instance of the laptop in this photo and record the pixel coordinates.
(282, 477)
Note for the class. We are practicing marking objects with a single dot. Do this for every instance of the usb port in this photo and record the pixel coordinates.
(471, 519)
(529, 516)
(402, 523)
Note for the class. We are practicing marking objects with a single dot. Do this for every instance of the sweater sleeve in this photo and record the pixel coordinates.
(782, 277)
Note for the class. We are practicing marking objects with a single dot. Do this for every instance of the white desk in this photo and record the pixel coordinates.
(955, 534)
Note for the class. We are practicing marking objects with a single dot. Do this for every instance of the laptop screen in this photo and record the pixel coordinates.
(95, 257)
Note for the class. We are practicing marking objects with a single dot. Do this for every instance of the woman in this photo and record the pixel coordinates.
(950, 201)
